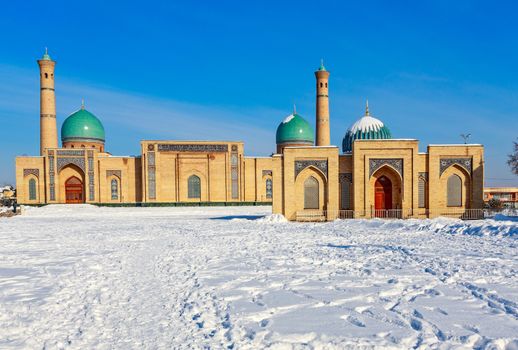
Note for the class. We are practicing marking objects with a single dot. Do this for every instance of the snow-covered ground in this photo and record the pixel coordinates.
(83, 277)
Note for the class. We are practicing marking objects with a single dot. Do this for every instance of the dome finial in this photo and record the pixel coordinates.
(367, 107)
(83, 103)
(294, 109)
(46, 56)
(322, 65)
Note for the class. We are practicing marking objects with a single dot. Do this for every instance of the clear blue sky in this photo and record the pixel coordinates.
(233, 69)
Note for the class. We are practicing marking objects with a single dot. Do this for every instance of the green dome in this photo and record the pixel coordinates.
(295, 129)
(82, 126)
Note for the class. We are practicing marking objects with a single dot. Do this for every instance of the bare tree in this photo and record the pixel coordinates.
(513, 159)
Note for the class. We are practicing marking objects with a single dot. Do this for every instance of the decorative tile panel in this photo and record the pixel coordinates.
(63, 162)
(166, 147)
(345, 177)
(377, 163)
(424, 175)
(465, 162)
(71, 153)
(35, 172)
(52, 188)
(303, 164)
(91, 179)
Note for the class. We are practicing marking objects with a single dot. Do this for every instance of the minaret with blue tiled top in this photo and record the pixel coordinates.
(48, 127)
(322, 109)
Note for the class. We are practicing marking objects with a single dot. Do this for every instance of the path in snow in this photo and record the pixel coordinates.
(87, 277)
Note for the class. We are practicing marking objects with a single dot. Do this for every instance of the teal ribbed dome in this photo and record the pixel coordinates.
(82, 126)
(295, 129)
(366, 128)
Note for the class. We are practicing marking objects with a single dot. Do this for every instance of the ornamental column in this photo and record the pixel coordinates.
(48, 128)
(322, 114)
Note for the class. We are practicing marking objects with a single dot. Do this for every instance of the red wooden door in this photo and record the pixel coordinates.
(382, 194)
(74, 190)
(379, 202)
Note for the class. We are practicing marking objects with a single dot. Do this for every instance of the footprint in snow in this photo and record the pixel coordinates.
(417, 314)
(250, 334)
(471, 328)
(416, 324)
(355, 321)
(226, 322)
(264, 323)
(432, 292)
(441, 311)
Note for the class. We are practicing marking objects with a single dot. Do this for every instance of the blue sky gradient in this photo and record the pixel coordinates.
(233, 69)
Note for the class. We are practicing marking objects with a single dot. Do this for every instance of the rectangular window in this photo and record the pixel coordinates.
(151, 175)
(234, 176)
(422, 193)
(346, 195)
(32, 189)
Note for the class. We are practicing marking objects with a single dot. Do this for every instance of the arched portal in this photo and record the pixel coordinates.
(383, 193)
(74, 190)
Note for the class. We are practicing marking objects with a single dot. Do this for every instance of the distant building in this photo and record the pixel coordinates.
(307, 178)
(507, 195)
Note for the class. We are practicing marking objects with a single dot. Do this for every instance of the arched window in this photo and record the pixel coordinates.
(194, 187)
(321, 84)
(454, 191)
(311, 194)
(269, 188)
(422, 193)
(46, 75)
(326, 85)
(32, 189)
(345, 195)
(115, 189)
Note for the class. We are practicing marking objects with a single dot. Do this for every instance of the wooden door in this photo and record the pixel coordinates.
(74, 192)
(382, 195)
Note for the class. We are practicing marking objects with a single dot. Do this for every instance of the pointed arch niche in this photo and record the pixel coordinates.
(455, 183)
(311, 182)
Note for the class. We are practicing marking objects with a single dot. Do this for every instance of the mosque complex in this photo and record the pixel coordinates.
(306, 178)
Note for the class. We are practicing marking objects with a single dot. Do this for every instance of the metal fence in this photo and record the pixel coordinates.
(327, 215)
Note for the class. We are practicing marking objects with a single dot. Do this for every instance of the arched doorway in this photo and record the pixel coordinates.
(382, 194)
(74, 190)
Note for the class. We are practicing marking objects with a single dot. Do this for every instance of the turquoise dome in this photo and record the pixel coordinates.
(366, 128)
(82, 126)
(295, 129)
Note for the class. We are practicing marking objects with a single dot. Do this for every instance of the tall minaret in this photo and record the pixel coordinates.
(48, 128)
(322, 134)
